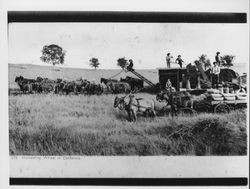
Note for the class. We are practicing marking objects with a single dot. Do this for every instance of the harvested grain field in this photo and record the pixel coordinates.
(48, 124)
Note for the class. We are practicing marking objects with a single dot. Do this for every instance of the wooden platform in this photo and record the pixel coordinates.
(194, 91)
(229, 102)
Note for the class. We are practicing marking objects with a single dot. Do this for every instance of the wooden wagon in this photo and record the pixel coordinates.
(220, 106)
(210, 105)
(226, 106)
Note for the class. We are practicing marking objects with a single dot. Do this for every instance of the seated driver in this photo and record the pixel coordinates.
(130, 66)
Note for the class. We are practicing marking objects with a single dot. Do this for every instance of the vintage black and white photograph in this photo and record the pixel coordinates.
(127, 89)
(125, 94)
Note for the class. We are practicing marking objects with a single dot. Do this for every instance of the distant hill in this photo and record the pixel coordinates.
(33, 71)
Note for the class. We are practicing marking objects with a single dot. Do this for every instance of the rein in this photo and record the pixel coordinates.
(115, 75)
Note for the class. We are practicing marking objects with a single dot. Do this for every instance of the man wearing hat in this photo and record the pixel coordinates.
(215, 72)
(218, 58)
(168, 59)
(130, 66)
(179, 61)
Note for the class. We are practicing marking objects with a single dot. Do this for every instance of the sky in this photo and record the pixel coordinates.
(146, 43)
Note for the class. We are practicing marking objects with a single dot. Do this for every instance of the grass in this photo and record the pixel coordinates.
(51, 124)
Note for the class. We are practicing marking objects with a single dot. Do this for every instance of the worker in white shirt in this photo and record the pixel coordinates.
(215, 71)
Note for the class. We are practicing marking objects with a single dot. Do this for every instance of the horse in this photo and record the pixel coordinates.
(93, 88)
(69, 87)
(25, 87)
(36, 87)
(133, 82)
(119, 87)
(58, 87)
(24, 84)
(105, 81)
(176, 100)
(133, 105)
(105, 88)
(80, 84)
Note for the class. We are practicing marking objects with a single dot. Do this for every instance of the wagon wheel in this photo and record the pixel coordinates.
(189, 111)
(222, 108)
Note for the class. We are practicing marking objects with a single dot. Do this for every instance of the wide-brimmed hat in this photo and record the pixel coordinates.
(218, 53)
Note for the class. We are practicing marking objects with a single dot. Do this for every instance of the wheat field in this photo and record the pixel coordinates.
(49, 124)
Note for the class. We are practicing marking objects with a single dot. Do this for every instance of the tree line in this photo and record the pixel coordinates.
(55, 55)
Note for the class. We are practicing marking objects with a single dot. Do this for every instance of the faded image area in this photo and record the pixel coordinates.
(121, 89)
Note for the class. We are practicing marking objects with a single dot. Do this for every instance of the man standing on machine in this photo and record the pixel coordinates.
(168, 60)
(218, 58)
(179, 61)
(215, 75)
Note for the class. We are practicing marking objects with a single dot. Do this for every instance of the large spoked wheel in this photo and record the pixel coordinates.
(222, 108)
(188, 111)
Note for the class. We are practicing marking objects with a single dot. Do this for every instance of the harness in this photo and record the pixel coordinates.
(138, 104)
(121, 104)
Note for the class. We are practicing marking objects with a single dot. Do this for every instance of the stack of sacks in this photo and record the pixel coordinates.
(229, 96)
(241, 95)
(215, 94)
(213, 91)
(217, 97)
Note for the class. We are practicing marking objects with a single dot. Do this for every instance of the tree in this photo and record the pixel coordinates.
(53, 54)
(227, 60)
(205, 61)
(94, 62)
(122, 62)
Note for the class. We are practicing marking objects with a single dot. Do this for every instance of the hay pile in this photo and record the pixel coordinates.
(212, 134)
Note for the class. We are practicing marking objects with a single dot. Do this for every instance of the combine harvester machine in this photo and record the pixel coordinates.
(203, 74)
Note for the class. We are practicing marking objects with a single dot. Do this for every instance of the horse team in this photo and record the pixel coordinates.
(128, 85)
(178, 100)
(78, 86)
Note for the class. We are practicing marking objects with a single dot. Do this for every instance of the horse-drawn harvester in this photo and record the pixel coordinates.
(197, 95)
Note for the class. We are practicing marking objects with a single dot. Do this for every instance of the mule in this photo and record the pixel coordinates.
(134, 105)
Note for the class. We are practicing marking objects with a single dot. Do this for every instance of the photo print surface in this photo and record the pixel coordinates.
(127, 89)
